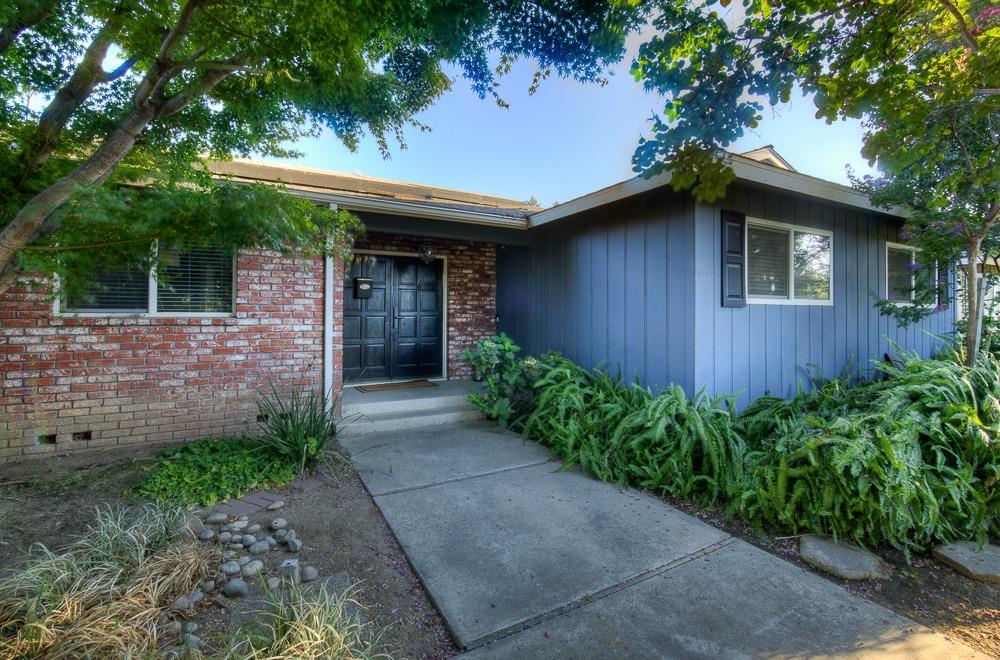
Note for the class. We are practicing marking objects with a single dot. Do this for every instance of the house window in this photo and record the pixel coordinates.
(900, 272)
(788, 264)
(190, 282)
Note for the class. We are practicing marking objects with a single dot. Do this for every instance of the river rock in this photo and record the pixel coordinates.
(274, 506)
(309, 574)
(235, 588)
(259, 547)
(278, 523)
(967, 557)
(207, 534)
(182, 604)
(252, 568)
(230, 568)
(844, 560)
(294, 545)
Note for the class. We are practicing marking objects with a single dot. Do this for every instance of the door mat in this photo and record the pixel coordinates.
(403, 385)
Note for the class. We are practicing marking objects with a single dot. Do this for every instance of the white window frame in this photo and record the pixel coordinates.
(151, 310)
(791, 229)
(913, 274)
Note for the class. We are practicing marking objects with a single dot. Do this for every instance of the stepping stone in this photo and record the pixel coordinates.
(967, 557)
(844, 560)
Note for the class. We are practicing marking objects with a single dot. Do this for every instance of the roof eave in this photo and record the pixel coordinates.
(746, 170)
(410, 209)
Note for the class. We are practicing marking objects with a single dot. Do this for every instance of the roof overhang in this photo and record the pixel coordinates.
(746, 170)
(411, 209)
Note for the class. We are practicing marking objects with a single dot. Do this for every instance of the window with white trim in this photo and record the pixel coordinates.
(900, 272)
(788, 264)
(196, 281)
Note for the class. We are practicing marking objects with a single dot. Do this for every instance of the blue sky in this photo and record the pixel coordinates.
(566, 140)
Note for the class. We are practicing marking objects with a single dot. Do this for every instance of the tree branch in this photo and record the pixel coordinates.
(26, 18)
(88, 74)
(963, 27)
(84, 246)
(207, 81)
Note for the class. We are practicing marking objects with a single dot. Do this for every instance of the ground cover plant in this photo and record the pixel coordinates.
(295, 430)
(909, 459)
(105, 594)
(214, 470)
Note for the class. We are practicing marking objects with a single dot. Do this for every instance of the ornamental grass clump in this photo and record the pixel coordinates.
(105, 594)
(309, 623)
(909, 460)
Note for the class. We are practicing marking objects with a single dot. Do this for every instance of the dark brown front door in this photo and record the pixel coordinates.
(396, 331)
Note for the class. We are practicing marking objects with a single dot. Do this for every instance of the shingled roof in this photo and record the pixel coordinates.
(348, 187)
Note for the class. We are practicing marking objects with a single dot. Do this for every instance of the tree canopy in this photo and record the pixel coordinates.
(97, 94)
(922, 75)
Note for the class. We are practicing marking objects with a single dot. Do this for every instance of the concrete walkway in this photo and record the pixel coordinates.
(526, 561)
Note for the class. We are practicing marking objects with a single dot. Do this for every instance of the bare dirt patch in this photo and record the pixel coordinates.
(339, 524)
(924, 590)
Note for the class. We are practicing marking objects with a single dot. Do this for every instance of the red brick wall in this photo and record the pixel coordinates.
(472, 283)
(138, 380)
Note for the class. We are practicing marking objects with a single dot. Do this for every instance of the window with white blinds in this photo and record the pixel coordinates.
(789, 264)
(194, 281)
(900, 272)
(767, 262)
(116, 292)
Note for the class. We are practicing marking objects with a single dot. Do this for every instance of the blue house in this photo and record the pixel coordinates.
(753, 294)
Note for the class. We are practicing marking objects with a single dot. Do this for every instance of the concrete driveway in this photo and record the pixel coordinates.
(527, 561)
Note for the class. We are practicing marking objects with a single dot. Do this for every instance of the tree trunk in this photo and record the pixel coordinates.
(33, 221)
(973, 298)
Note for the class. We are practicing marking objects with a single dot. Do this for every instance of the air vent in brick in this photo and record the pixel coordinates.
(81, 436)
(47, 439)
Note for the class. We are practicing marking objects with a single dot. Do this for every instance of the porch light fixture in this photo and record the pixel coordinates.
(427, 253)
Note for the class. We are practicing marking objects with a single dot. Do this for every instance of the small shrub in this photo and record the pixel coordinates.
(508, 393)
(104, 596)
(491, 355)
(312, 624)
(213, 470)
(296, 426)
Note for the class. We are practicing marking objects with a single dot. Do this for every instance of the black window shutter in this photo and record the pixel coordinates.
(943, 292)
(734, 259)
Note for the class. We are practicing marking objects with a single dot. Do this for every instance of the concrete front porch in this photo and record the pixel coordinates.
(390, 410)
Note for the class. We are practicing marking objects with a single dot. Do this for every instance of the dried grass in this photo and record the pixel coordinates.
(105, 594)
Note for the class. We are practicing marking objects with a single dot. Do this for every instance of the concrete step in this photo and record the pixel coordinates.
(404, 405)
(364, 424)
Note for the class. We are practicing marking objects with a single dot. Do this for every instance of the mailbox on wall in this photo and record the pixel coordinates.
(363, 287)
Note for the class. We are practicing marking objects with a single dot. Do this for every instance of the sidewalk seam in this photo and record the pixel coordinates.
(587, 599)
(467, 477)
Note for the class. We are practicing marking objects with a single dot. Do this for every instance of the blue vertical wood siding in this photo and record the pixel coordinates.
(610, 287)
(634, 287)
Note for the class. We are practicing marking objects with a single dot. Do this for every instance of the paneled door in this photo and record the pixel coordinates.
(396, 331)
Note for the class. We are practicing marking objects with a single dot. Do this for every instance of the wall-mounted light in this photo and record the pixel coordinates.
(427, 253)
